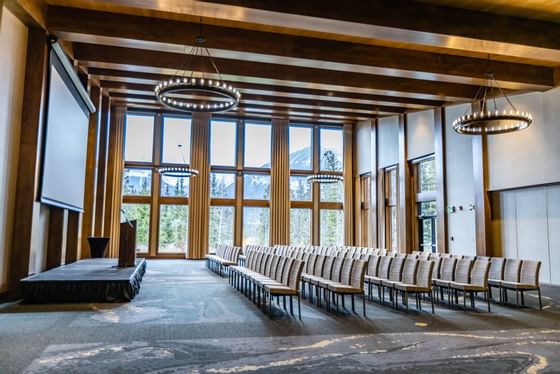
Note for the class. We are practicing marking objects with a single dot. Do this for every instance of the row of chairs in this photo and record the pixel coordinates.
(224, 257)
(267, 275)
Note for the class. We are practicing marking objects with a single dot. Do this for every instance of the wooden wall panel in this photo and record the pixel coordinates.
(405, 199)
(441, 188)
(55, 237)
(481, 199)
(280, 184)
(73, 237)
(103, 135)
(88, 218)
(32, 119)
(374, 190)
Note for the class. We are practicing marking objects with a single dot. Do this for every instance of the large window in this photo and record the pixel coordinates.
(223, 143)
(166, 233)
(391, 200)
(139, 136)
(222, 221)
(316, 215)
(425, 187)
(256, 225)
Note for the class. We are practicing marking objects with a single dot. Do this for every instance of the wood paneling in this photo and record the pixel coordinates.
(55, 237)
(101, 162)
(441, 188)
(73, 236)
(374, 190)
(481, 198)
(405, 199)
(88, 218)
(280, 184)
(31, 121)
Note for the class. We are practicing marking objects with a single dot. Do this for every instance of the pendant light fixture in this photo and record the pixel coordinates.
(188, 93)
(490, 119)
(178, 171)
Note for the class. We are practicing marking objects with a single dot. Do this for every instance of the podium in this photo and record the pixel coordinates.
(127, 244)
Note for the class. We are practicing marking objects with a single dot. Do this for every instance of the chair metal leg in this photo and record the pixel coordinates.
(540, 299)
(517, 298)
(353, 309)
(299, 306)
(291, 306)
(522, 299)
(432, 302)
(488, 301)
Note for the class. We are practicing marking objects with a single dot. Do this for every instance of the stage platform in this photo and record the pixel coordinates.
(90, 280)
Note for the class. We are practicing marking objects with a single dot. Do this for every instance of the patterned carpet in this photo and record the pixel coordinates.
(188, 320)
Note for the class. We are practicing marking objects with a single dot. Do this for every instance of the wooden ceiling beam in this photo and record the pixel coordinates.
(172, 61)
(80, 25)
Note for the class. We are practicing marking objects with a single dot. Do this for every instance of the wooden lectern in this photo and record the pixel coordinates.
(127, 244)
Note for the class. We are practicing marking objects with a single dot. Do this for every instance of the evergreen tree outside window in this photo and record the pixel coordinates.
(140, 213)
(137, 182)
(300, 226)
(222, 185)
(174, 186)
(425, 187)
(332, 227)
(256, 225)
(221, 225)
(173, 228)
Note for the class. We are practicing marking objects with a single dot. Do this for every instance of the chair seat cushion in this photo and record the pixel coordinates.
(495, 282)
(280, 290)
(374, 280)
(308, 277)
(316, 280)
(343, 288)
(411, 287)
(467, 287)
(519, 286)
(389, 283)
(442, 283)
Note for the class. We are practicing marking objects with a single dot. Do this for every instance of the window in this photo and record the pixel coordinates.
(331, 149)
(173, 228)
(221, 225)
(301, 148)
(222, 185)
(255, 225)
(424, 174)
(300, 226)
(223, 143)
(332, 227)
(256, 187)
(391, 198)
(332, 192)
(174, 186)
(176, 140)
(139, 137)
(140, 213)
(137, 182)
(257, 145)
(300, 189)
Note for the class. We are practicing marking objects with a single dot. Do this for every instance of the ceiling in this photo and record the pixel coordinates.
(316, 59)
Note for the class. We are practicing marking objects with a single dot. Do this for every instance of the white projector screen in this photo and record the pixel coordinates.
(66, 138)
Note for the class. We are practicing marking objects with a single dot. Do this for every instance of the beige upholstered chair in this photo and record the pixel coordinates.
(477, 282)
(496, 275)
(382, 273)
(528, 281)
(421, 285)
(446, 276)
(406, 275)
(355, 286)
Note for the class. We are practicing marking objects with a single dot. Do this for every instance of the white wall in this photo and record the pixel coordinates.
(461, 231)
(420, 134)
(363, 147)
(388, 141)
(532, 156)
(13, 46)
(530, 227)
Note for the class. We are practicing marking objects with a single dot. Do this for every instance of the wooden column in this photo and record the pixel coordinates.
(88, 218)
(238, 234)
(348, 185)
(114, 171)
(55, 237)
(441, 188)
(199, 196)
(374, 191)
(29, 146)
(280, 184)
(1, 7)
(101, 162)
(481, 199)
(73, 238)
(404, 199)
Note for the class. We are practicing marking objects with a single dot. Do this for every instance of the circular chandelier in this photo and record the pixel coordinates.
(178, 171)
(187, 93)
(325, 178)
(491, 121)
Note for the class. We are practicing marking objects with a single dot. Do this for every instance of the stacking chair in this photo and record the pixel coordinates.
(342, 278)
(421, 285)
(356, 286)
(395, 275)
(289, 286)
(409, 269)
(382, 273)
(478, 283)
(512, 271)
(528, 281)
(316, 272)
(496, 275)
(445, 277)
(332, 275)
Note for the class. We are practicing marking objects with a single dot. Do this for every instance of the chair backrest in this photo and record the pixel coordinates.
(266, 259)
(384, 266)
(319, 265)
(479, 273)
(310, 263)
(447, 269)
(496, 268)
(512, 270)
(395, 273)
(295, 274)
(482, 258)
(346, 271)
(382, 252)
(280, 268)
(424, 274)
(437, 265)
(445, 255)
(424, 255)
(373, 264)
(271, 272)
(336, 269)
(468, 258)
(327, 267)
(463, 271)
(530, 271)
(359, 268)
(409, 271)
(286, 271)
(256, 262)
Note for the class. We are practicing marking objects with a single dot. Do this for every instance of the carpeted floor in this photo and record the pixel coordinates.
(186, 319)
